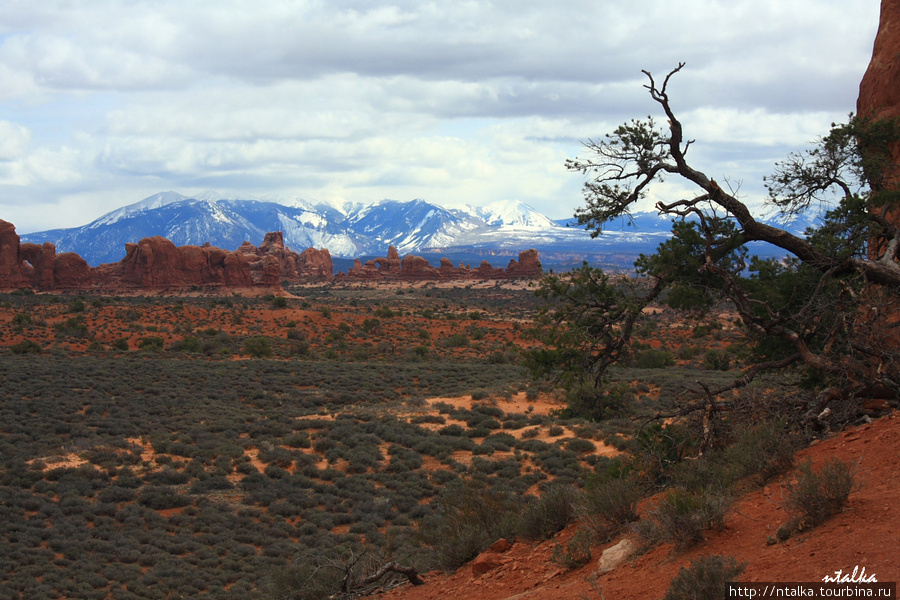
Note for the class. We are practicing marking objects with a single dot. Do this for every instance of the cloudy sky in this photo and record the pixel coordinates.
(105, 102)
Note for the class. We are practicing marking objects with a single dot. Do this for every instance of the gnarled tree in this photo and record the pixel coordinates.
(830, 306)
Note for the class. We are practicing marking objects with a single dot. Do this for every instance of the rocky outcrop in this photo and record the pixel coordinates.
(272, 262)
(879, 93)
(156, 263)
(70, 271)
(416, 268)
(11, 275)
(527, 267)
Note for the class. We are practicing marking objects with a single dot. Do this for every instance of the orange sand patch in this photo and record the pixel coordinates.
(63, 461)
(253, 453)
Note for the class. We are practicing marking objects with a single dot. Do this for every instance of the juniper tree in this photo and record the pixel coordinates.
(830, 306)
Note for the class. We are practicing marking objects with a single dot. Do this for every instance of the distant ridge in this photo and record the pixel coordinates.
(350, 230)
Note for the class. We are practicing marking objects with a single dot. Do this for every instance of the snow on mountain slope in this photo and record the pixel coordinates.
(347, 229)
(512, 213)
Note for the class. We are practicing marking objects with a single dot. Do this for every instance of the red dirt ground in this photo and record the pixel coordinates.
(865, 534)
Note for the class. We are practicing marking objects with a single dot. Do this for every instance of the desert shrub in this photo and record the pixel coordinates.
(384, 312)
(687, 352)
(531, 433)
(298, 439)
(716, 360)
(279, 302)
(437, 419)
(303, 580)
(817, 495)
(371, 325)
(457, 340)
(417, 353)
(76, 305)
(296, 334)
(760, 452)
(555, 430)
(74, 327)
(765, 450)
(151, 344)
(26, 347)
(188, 343)
(551, 513)
(580, 446)
(658, 447)
(609, 505)
(452, 430)
(575, 553)
(21, 320)
(653, 359)
(258, 347)
(162, 497)
(599, 404)
(120, 344)
(682, 516)
(469, 519)
(705, 579)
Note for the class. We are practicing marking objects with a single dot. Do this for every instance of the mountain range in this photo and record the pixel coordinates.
(354, 230)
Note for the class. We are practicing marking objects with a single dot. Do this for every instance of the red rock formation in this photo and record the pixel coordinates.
(11, 276)
(416, 268)
(40, 258)
(70, 271)
(315, 263)
(378, 268)
(288, 265)
(528, 266)
(156, 263)
(879, 91)
(879, 98)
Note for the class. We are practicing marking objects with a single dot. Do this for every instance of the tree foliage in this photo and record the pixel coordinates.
(830, 306)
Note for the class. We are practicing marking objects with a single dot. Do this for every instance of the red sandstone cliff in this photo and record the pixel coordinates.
(879, 90)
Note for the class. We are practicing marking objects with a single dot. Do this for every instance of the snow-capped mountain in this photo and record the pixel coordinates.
(351, 230)
(225, 223)
(512, 213)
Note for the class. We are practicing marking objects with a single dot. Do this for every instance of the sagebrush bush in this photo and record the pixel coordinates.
(469, 521)
(608, 506)
(576, 552)
(765, 450)
(681, 517)
(817, 496)
(705, 579)
(552, 512)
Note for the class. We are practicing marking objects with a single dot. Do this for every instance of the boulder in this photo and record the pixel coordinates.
(486, 561)
(615, 556)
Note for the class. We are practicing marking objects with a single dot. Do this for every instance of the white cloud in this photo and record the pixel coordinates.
(458, 102)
